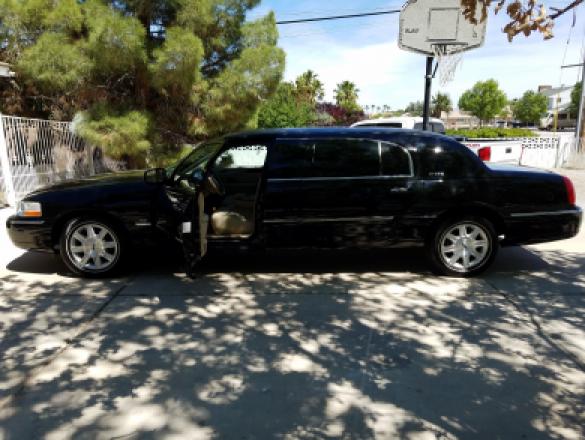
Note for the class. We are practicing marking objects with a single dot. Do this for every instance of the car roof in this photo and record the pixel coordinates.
(382, 133)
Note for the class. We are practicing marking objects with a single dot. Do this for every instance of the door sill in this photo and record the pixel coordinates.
(228, 237)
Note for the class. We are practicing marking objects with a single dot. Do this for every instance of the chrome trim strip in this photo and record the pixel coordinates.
(540, 213)
(27, 222)
(329, 219)
(320, 179)
(142, 224)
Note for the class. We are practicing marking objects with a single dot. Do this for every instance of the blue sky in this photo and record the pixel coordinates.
(365, 51)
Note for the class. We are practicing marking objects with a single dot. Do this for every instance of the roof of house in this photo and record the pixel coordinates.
(556, 90)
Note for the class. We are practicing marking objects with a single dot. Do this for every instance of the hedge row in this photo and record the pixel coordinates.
(492, 132)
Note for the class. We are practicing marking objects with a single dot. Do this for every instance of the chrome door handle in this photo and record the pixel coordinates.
(399, 189)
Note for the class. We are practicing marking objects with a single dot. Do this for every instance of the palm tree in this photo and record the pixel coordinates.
(441, 103)
(346, 96)
(309, 87)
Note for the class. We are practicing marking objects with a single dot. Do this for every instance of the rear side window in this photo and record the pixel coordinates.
(345, 158)
(331, 158)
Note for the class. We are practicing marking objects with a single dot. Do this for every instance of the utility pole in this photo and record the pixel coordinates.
(428, 83)
(579, 132)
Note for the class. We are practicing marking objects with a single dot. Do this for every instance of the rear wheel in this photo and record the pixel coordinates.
(91, 247)
(463, 247)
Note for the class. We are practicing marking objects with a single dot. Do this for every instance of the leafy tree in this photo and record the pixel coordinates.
(338, 115)
(415, 108)
(346, 96)
(526, 16)
(485, 100)
(284, 109)
(531, 107)
(309, 87)
(575, 100)
(147, 75)
(441, 103)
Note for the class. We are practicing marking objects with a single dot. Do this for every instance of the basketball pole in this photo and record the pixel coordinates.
(428, 84)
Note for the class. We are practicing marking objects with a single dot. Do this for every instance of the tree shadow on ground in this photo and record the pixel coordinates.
(340, 346)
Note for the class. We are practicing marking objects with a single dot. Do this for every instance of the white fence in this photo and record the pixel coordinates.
(36, 153)
(549, 151)
(546, 151)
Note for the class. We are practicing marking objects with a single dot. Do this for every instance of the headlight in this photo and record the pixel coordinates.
(29, 209)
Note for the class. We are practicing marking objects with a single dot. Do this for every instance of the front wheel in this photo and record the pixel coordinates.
(463, 247)
(91, 247)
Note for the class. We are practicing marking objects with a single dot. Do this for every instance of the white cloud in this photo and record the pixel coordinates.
(377, 69)
(366, 52)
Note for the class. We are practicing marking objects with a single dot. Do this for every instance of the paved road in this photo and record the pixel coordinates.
(296, 346)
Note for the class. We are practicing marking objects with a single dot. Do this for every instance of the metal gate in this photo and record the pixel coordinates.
(37, 152)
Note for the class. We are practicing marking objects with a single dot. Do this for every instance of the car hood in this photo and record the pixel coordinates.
(126, 177)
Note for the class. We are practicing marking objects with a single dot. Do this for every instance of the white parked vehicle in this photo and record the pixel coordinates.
(409, 122)
(564, 121)
(495, 151)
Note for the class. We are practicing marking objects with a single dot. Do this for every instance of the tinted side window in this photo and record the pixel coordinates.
(418, 126)
(395, 161)
(289, 159)
(346, 158)
(324, 158)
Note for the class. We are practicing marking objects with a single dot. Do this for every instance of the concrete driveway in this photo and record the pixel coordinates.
(360, 345)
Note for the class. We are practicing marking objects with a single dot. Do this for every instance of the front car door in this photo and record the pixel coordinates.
(180, 209)
(335, 192)
(239, 170)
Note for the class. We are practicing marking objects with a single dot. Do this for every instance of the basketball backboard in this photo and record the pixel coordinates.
(438, 26)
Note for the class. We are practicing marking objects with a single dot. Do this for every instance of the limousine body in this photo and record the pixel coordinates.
(306, 188)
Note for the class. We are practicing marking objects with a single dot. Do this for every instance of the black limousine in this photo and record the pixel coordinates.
(305, 188)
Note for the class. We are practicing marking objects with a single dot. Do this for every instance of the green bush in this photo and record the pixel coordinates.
(492, 132)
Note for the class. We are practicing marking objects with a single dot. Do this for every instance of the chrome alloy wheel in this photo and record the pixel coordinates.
(93, 247)
(464, 247)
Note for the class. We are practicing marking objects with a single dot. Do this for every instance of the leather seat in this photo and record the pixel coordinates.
(231, 223)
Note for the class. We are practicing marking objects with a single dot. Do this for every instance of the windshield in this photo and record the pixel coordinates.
(197, 159)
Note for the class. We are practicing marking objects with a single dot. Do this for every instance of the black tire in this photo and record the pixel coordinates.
(462, 262)
(108, 252)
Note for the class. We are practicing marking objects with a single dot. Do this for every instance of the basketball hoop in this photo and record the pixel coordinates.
(439, 29)
(448, 61)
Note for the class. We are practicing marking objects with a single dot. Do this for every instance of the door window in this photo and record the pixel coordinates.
(245, 156)
(331, 158)
(346, 158)
(291, 159)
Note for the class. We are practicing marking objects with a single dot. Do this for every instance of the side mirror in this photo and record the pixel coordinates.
(197, 177)
(155, 175)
